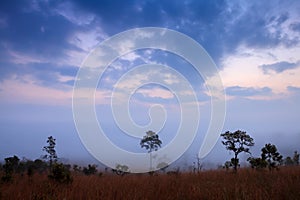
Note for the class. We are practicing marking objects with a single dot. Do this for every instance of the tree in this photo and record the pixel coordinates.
(296, 158)
(50, 149)
(238, 142)
(150, 142)
(271, 156)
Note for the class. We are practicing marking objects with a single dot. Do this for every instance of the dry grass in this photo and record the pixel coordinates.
(246, 184)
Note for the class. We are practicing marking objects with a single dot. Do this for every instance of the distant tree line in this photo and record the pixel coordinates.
(237, 142)
(49, 164)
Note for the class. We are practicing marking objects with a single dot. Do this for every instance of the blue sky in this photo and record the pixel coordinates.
(255, 45)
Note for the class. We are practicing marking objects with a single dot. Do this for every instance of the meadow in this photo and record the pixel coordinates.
(215, 184)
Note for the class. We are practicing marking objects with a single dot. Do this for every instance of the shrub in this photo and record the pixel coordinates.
(91, 169)
(257, 163)
(121, 170)
(10, 166)
(60, 173)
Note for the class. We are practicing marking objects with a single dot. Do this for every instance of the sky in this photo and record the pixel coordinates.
(254, 44)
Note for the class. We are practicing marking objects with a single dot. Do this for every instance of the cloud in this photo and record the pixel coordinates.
(247, 91)
(228, 24)
(293, 89)
(295, 26)
(156, 93)
(87, 40)
(130, 57)
(278, 67)
(28, 91)
(60, 34)
(282, 18)
(52, 32)
(44, 74)
(73, 14)
(20, 58)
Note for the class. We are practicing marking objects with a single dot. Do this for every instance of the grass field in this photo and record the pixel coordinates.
(215, 184)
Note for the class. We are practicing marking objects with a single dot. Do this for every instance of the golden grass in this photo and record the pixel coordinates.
(246, 184)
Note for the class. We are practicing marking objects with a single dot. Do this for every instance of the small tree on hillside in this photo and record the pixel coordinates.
(50, 150)
(237, 142)
(271, 155)
(151, 142)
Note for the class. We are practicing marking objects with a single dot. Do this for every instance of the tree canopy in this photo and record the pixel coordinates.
(151, 142)
(270, 154)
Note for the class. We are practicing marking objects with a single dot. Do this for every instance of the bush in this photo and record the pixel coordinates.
(60, 173)
(257, 163)
(10, 166)
(91, 169)
(121, 170)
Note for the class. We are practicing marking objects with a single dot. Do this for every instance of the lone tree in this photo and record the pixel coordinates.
(150, 142)
(50, 149)
(238, 142)
(270, 154)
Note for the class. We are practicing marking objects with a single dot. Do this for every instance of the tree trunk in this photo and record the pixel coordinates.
(150, 161)
(235, 163)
